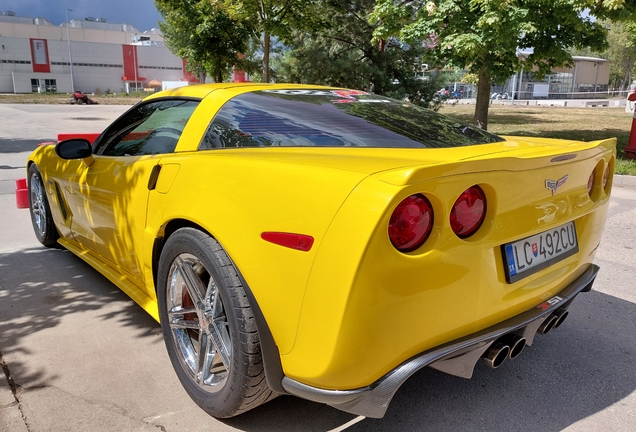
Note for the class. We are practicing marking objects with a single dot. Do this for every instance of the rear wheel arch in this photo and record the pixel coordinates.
(160, 241)
(270, 353)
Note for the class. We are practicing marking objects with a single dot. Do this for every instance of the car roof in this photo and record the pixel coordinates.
(200, 91)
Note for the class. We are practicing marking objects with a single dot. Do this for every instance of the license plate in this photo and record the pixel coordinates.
(527, 256)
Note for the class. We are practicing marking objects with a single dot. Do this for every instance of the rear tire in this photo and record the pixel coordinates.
(41, 217)
(208, 326)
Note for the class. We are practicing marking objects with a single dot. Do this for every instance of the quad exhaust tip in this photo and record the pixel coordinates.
(496, 354)
(562, 316)
(516, 344)
(553, 321)
(511, 345)
(506, 347)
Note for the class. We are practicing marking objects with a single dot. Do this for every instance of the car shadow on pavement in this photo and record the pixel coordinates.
(583, 367)
(570, 374)
(40, 287)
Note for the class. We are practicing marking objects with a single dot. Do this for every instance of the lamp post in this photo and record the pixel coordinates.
(70, 56)
(135, 64)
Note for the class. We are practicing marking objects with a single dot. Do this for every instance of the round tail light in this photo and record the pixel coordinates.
(590, 183)
(606, 175)
(411, 223)
(468, 212)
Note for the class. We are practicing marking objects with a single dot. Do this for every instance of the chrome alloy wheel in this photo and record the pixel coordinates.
(38, 207)
(198, 323)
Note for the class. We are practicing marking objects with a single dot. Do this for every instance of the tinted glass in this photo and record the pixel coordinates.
(152, 128)
(335, 118)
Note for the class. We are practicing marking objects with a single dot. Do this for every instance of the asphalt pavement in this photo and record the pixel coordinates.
(79, 355)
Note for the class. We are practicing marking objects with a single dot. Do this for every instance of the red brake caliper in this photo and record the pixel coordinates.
(186, 302)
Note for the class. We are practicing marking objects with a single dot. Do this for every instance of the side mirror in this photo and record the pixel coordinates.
(76, 148)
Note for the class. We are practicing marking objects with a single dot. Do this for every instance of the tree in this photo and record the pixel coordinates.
(484, 36)
(267, 18)
(621, 53)
(204, 35)
(344, 55)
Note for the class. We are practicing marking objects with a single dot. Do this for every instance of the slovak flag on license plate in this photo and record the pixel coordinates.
(535, 249)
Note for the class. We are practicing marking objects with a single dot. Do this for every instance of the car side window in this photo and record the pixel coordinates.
(151, 128)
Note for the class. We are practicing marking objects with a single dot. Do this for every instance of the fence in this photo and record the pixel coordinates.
(607, 94)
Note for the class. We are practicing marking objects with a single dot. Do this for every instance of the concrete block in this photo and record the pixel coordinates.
(596, 103)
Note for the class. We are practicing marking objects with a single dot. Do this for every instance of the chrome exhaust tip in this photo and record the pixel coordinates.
(548, 324)
(561, 316)
(496, 354)
(516, 343)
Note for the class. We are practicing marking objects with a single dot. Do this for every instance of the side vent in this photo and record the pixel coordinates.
(60, 200)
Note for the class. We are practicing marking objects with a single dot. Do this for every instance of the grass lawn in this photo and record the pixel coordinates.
(585, 124)
(55, 98)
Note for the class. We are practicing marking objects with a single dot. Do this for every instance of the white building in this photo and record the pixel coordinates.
(587, 79)
(34, 56)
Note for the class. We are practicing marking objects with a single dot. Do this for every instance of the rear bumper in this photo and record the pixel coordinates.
(457, 357)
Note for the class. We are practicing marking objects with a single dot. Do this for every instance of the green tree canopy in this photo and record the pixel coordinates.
(204, 35)
(267, 18)
(484, 36)
(621, 38)
(344, 55)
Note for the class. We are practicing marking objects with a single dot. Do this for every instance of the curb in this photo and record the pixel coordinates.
(625, 181)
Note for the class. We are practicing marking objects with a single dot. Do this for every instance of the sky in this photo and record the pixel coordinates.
(140, 13)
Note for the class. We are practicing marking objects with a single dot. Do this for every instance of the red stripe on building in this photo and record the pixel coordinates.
(131, 64)
(40, 55)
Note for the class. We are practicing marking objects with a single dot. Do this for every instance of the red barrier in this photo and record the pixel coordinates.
(87, 136)
(21, 190)
(21, 193)
(630, 150)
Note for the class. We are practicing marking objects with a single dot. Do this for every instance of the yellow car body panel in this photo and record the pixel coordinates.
(352, 308)
(63, 191)
(377, 300)
(236, 176)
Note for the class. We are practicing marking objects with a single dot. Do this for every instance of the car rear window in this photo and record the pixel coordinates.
(334, 118)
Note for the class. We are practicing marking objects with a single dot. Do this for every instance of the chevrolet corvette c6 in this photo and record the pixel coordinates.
(323, 242)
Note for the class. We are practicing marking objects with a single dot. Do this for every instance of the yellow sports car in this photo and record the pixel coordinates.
(323, 242)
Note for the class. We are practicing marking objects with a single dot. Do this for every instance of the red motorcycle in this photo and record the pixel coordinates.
(80, 98)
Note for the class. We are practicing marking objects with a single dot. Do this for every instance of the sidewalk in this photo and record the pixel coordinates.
(625, 181)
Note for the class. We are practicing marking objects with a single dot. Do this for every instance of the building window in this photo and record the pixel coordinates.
(16, 61)
(43, 85)
(51, 85)
(136, 86)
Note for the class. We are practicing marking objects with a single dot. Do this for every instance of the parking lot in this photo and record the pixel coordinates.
(79, 355)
